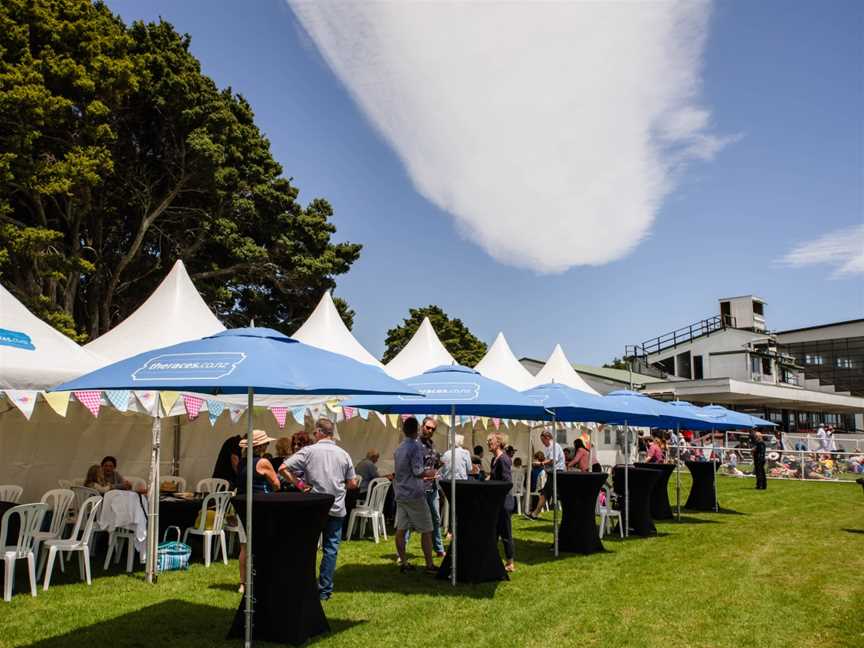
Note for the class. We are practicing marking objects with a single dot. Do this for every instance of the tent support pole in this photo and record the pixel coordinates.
(453, 494)
(249, 468)
(678, 472)
(153, 502)
(527, 507)
(626, 480)
(555, 483)
(175, 459)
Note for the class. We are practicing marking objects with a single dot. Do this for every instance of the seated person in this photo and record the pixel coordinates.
(112, 477)
(96, 480)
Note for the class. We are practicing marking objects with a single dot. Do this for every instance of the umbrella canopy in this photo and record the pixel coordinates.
(233, 361)
(640, 410)
(737, 420)
(456, 389)
(714, 419)
(569, 404)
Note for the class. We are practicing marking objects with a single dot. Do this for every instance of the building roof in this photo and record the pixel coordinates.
(558, 369)
(423, 351)
(618, 375)
(819, 326)
(500, 364)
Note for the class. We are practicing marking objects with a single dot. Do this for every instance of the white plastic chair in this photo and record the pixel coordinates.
(212, 485)
(234, 527)
(64, 483)
(118, 536)
(30, 520)
(606, 511)
(372, 510)
(79, 541)
(180, 482)
(10, 493)
(518, 490)
(220, 503)
(59, 501)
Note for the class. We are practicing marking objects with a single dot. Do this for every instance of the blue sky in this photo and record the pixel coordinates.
(784, 80)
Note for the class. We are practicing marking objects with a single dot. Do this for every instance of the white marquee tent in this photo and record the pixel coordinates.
(174, 313)
(558, 369)
(424, 351)
(33, 354)
(325, 329)
(501, 364)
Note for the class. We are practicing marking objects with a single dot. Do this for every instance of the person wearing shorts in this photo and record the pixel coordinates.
(553, 459)
(410, 483)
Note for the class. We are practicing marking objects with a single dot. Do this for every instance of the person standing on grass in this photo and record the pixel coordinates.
(553, 459)
(501, 469)
(759, 461)
(432, 460)
(328, 469)
(412, 511)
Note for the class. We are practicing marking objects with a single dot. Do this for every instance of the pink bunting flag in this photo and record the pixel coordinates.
(496, 422)
(349, 412)
(279, 413)
(405, 417)
(193, 406)
(90, 399)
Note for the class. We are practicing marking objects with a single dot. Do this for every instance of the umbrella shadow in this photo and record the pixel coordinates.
(387, 578)
(861, 531)
(689, 519)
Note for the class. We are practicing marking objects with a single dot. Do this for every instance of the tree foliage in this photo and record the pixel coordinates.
(118, 157)
(617, 363)
(462, 344)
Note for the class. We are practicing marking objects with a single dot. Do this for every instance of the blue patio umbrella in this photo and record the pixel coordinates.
(455, 390)
(237, 361)
(737, 420)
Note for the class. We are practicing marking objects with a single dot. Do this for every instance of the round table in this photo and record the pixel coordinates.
(640, 484)
(702, 494)
(285, 534)
(478, 504)
(577, 492)
(660, 508)
(178, 512)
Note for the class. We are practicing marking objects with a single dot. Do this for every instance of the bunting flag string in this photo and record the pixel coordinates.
(91, 399)
(168, 398)
(214, 410)
(119, 398)
(24, 400)
(280, 413)
(193, 406)
(59, 401)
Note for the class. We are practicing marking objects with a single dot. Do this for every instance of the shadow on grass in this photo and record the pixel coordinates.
(689, 519)
(861, 531)
(170, 623)
(722, 511)
(225, 587)
(386, 578)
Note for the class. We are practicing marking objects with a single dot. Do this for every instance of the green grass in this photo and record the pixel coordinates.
(784, 568)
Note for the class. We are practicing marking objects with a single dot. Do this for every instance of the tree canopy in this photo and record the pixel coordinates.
(462, 344)
(118, 157)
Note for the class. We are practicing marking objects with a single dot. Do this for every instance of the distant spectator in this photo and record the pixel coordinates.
(368, 470)
(112, 477)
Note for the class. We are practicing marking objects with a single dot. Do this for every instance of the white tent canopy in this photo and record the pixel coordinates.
(174, 313)
(326, 330)
(424, 351)
(33, 354)
(500, 364)
(558, 369)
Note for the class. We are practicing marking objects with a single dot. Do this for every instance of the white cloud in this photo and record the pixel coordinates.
(551, 131)
(843, 249)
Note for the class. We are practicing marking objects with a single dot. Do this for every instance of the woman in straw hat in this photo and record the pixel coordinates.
(264, 480)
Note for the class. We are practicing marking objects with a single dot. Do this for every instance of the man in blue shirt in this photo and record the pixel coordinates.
(553, 460)
(412, 511)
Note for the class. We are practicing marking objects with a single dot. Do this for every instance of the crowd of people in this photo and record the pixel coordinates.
(104, 476)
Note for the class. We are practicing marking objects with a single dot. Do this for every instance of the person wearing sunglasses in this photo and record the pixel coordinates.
(432, 461)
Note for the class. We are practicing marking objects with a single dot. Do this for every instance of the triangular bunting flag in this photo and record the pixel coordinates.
(334, 404)
(214, 410)
(474, 420)
(90, 399)
(363, 413)
(496, 422)
(484, 421)
(147, 400)
(394, 420)
(299, 414)
(279, 413)
(119, 398)
(380, 417)
(193, 406)
(59, 401)
(235, 413)
(24, 400)
(349, 412)
(168, 398)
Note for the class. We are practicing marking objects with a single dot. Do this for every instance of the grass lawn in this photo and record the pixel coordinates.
(784, 567)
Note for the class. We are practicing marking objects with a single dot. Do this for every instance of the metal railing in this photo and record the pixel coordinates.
(681, 336)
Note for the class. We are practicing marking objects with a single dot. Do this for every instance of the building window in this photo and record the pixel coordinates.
(726, 313)
(766, 366)
(667, 365)
(683, 364)
(697, 368)
(812, 359)
(755, 364)
(844, 363)
(758, 308)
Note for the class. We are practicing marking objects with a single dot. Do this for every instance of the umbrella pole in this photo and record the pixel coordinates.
(452, 494)
(626, 480)
(678, 472)
(153, 503)
(249, 469)
(527, 507)
(716, 469)
(555, 484)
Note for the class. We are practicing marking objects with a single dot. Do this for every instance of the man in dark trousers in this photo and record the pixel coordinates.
(759, 461)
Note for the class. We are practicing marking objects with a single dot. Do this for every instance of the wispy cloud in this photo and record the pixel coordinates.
(551, 131)
(842, 249)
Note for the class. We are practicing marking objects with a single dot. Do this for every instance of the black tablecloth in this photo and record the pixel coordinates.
(860, 480)
(14, 523)
(577, 492)
(702, 497)
(179, 513)
(285, 534)
(640, 484)
(660, 508)
(478, 504)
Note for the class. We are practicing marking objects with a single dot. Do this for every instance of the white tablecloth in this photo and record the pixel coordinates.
(126, 509)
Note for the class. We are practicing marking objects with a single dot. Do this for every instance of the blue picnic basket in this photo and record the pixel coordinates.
(172, 555)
